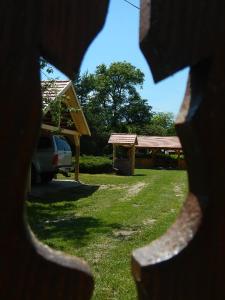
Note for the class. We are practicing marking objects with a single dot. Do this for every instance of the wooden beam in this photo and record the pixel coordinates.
(62, 130)
(76, 112)
(77, 157)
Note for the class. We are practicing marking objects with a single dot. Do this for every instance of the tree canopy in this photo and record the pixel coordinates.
(111, 100)
(161, 124)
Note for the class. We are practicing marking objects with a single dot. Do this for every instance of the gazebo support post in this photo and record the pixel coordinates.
(77, 156)
(154, 156)
(178, 158)
(114, 155)
(132, 159)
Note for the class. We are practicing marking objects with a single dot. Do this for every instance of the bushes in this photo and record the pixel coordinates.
(103, 164)
(95, 164)
(166, 161)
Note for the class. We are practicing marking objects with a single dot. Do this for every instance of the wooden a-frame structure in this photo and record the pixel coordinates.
(64, 90)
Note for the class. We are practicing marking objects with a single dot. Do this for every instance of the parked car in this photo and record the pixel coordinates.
(52, 155)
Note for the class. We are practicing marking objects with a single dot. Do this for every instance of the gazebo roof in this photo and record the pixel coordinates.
(140, 141)
(123, 139)
(54, 88)
(64, 89)
(160, 142)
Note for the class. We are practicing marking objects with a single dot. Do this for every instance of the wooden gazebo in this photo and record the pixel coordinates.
(156, 143)
(133, 141)
(73, 123)
(125, 166)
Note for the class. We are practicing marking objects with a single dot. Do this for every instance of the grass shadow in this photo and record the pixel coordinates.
(58, 191)
(72, 229)
(165, 168)
(139, 175)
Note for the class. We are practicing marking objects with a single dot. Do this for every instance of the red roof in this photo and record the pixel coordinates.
(163, 142)
(123, 139)
(140, 141)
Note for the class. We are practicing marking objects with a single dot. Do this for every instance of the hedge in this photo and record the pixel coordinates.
(95, 164)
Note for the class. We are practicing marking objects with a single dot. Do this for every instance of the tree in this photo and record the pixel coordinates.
(111, 100)
(162, 124)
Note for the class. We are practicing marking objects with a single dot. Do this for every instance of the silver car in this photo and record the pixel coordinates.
(53, 155)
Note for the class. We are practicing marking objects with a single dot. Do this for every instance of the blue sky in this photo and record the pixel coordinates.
(118, 41)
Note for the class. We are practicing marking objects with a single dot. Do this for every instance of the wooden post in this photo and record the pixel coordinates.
(77, 157)
(114, 155)
(154, 157)
(129, 158)
(178, 159)
(132, 159)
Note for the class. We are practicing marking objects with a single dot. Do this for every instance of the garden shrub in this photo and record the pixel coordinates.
(95, 164)
(166, 160)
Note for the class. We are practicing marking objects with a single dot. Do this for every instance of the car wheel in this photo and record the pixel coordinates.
(47, 177)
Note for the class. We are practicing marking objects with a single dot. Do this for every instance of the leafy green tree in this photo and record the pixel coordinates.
(111, 100)
(162, 124)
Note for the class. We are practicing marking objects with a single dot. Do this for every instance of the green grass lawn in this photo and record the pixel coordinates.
(107, 217)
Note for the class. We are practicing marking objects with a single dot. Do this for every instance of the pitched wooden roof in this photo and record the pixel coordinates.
(64, 88)
(53, 88)
(123, 139)
(163, 142)
(140, 141)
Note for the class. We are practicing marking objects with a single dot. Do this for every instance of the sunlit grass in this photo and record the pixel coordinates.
(107, 217)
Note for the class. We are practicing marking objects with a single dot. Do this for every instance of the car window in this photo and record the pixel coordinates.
(67, 146)
(58, 143)
(62, 145)
(44, 142)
